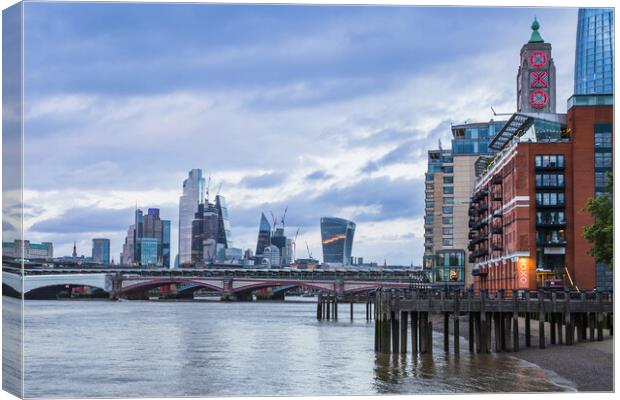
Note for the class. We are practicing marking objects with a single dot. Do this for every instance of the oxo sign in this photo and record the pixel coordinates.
(523, 273)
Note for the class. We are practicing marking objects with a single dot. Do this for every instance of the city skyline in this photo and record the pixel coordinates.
(291, 115)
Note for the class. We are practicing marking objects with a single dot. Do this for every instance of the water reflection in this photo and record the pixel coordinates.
(154, 349)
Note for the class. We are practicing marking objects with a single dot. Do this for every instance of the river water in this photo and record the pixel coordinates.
(211, 348)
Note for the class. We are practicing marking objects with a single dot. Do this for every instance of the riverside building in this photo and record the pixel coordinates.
(449, 182)
(193, 194)
(101, 251)
(527, 210)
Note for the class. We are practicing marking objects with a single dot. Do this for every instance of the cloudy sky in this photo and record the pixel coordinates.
(329, 110)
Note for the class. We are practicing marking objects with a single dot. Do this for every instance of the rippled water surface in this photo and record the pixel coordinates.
(141, 348)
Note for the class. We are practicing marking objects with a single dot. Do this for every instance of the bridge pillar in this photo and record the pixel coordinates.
(403, 332)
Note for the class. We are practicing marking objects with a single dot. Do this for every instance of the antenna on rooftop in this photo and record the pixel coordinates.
(208, 184)
(495, 113)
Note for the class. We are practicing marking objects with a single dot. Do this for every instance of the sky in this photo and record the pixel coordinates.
(328, 110)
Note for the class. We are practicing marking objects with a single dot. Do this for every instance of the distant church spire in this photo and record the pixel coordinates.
(74, 249)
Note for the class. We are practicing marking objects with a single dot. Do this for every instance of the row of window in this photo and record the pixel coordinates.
(556, 236)
(550, 161)
(602, 139)
(549, 199)
(550, 217)
(552, 180)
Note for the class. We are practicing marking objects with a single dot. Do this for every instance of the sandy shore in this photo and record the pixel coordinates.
(589, 365)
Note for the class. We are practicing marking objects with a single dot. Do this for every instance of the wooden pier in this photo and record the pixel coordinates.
(327, 306)
(493, 321)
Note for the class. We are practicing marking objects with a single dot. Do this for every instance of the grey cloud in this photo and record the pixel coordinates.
(264, 180)
(318, 175)
(87, 219)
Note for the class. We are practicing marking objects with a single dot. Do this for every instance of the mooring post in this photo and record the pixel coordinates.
(318, 308)
(470, 332)
(457, 349)
(376, 337)
(395, 332)
(367, 310)
(351, 309)
(388, 333)
(403, 331)
(483, 320)
(515, 321)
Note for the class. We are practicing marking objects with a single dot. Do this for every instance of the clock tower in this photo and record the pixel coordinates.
(536, 76)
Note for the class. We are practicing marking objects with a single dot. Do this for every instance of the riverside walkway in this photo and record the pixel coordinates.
(493, 321)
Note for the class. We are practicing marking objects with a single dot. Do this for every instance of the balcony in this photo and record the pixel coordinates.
(497, 246)
(479, 272)
(496, 180)
(557, 205)
(496, 230)
(550, 167)
(551, 242)
(549, 186)
(496, 196)
(550, 224)
(478, 239)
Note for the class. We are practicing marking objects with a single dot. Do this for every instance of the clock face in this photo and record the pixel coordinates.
(539, 79)
(538, 59)
(538, 98)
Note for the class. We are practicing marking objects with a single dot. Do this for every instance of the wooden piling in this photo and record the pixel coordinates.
(395, 333)
(446, 332)
(318, 309)
(351, 309)
(541, 320)
(403, 332)
(429, 337)
(328, 307)
(471, 331)
(414, 332)
(552, 318)
(497, 332)
(367, 310)
(456, 334)
(591, 317)
(335, 308)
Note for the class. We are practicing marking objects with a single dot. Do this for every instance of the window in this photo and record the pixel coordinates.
(448, 190)
(430, 213)
(549, 199)
(428, 231)
(549, 161)
(430, 204)
(429, 196)
(447, 242)
(428, 220)
(447, 220)
(447, 231)
(430, 186)
(448, 200)
(602, 140)
(550, 180)
(600, 179)
(602, 160)
(447, 210)
(429, 177)
(428, 240)
(448, 170)
(448, 179)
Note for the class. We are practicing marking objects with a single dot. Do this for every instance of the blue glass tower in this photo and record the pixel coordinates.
(337, 239)
(594, 55)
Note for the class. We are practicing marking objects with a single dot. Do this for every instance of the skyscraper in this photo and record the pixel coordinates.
(193, 194)
(536, 75)
(264, 234)
(148, 240)
(101, 251)
(337, 240)
(594, 51)
(211, 237)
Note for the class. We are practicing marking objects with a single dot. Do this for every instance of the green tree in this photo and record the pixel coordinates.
(601, 232)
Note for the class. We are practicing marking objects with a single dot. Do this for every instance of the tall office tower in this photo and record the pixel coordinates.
(127, 255)
(337, 240)
(450, 180)
(193, 194)
(224, 235)
(211, 237)
(594, 55)
(147, 240)
(101, 251)
(536, 76)
(264, 234)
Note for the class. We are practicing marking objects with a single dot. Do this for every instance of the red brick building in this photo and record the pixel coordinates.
(527, 212)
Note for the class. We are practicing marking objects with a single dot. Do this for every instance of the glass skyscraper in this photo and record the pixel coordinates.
(101, 251)
(337, 239)
(594, 55)
(264, 234)
(193, 194)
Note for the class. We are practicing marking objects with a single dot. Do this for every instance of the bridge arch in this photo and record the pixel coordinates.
(289, 284)
(55, 291)
(145, 285)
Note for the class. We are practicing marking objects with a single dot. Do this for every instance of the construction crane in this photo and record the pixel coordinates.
(219, 188)
(284, 216)
(208, 185)
(295, 243)
(308, 248)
